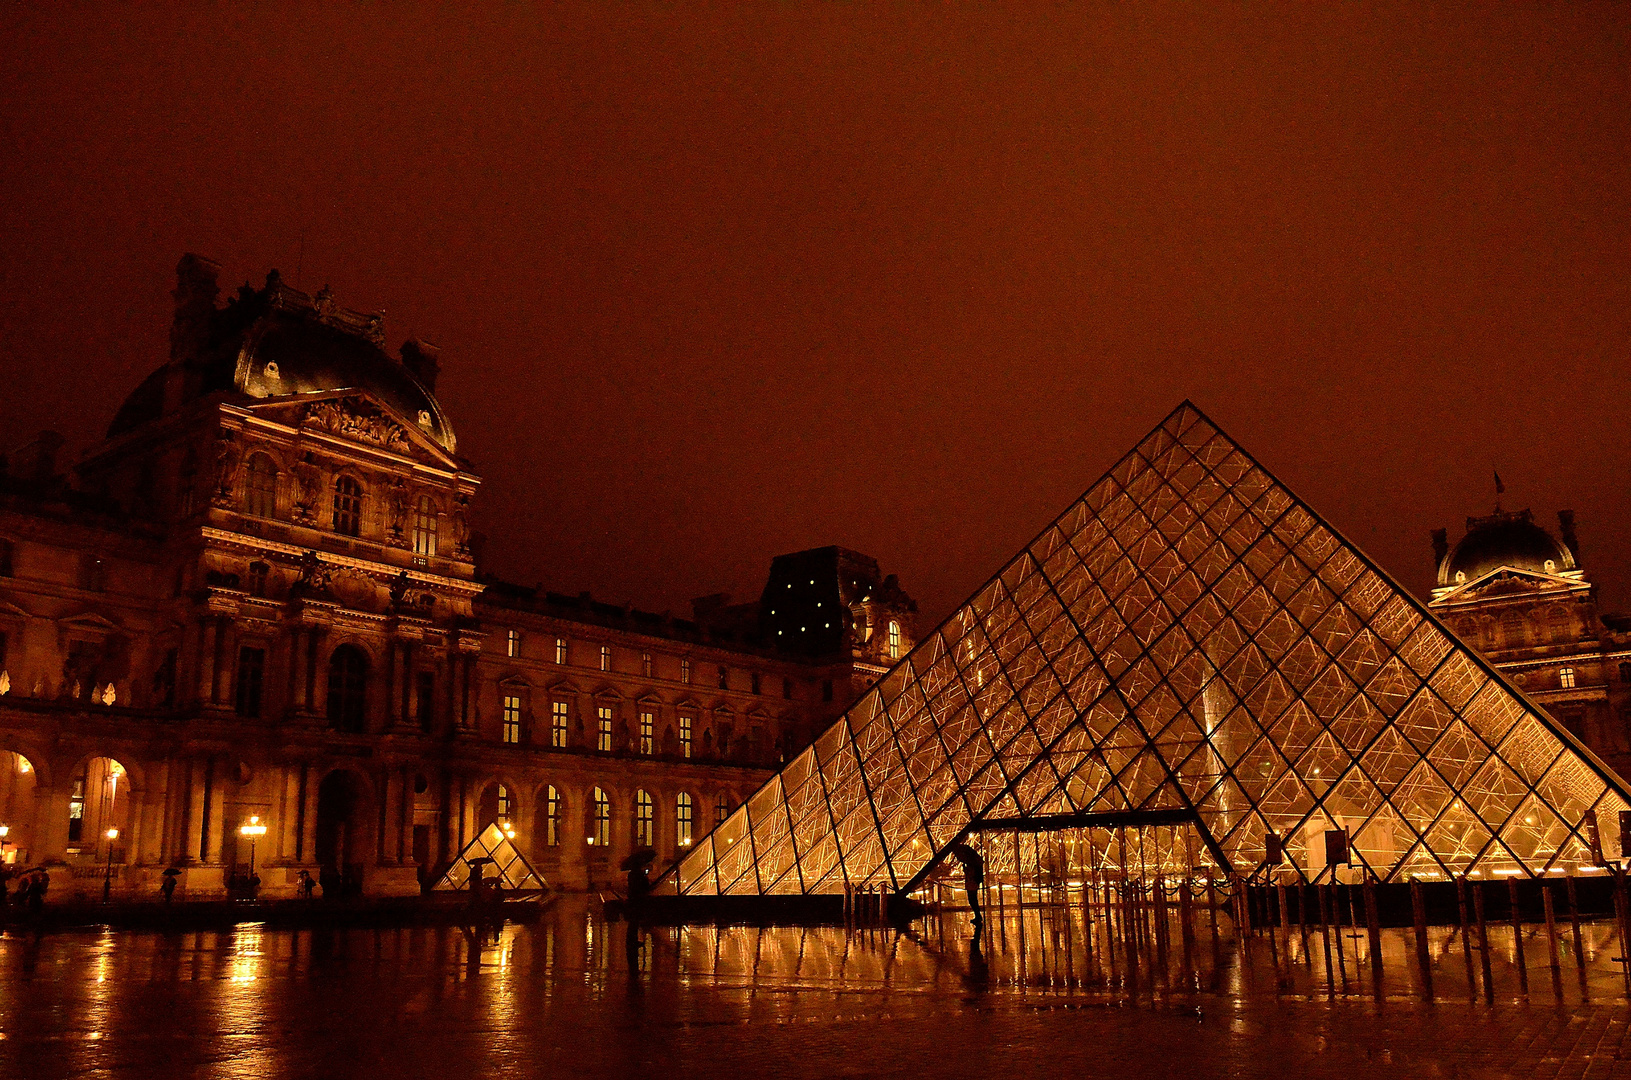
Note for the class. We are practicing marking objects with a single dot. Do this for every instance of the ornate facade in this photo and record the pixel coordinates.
(258, 601)
(1517, 593)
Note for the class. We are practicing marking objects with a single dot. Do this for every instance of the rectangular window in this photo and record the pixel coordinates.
(685, 735)
(684, 819)
(1565, 678)
(605, 658)
(724, 677)
(76, 811)
(251, 674)
(92, 573)
(787, 689)
(557, 724)
(5, 558)
(685, 671)
(754, 682)
(2, 650)
(645, 664)
(1625, 673)
(552, 817)
(425, 705)
(424, 526)
(512, 643)
(648, 724)
(512, 718)
(603, 739)
(560, 650)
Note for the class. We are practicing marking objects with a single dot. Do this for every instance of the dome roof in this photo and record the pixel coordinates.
(1504, 539)
(285, 355)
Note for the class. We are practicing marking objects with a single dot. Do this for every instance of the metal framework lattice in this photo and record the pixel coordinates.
(511, 869)
(1188, 637)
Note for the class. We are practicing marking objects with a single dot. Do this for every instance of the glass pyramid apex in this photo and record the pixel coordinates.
(1188, 642)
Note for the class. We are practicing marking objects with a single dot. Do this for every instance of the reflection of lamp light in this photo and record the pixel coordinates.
(508, 830)
(590, 839)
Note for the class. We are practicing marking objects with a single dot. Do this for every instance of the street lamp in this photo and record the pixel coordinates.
(254, 830)
(107, 878)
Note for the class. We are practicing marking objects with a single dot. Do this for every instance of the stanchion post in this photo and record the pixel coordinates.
(1424, 958)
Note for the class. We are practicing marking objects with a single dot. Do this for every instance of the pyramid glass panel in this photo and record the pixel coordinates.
(1187, 663)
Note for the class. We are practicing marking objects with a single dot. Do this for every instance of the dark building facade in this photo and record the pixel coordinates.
(257, 602)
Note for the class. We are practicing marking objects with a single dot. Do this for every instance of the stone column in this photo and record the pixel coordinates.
(226, 664)
(296, 698)
(206, 659)
(308, 825)
(197, 811)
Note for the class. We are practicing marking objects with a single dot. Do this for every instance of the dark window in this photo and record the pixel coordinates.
(260, 487)
(426, 686)
(347, 506)
(724, 677)
(164, 680)
(5, 558)
(347, 688)
(251, 674)
(1625, 673)
(826, 689)
(754, 681)
(257, 578)
(787, 689)
(92, 573)
(2, 651)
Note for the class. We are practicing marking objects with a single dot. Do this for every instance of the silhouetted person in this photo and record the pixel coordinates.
(168, 888)
(36, 895)
(307, 885)
(639, 887)
(973, 878)
(979, 973)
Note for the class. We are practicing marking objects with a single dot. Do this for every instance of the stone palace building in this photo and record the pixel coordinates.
(255, 603)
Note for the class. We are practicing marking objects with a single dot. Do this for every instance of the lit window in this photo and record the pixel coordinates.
(503, 805)
(644, 817)
(648, 722)
(685, 671)
(424, 527)
(645, 664)
(684, 819)
(560, 650)
(604, 741)
(557, 724)
(552, 817)
(685, 735)
(347, 506)
(260, 487)
(605, 658)
(722, 809)
(894, 641)
(601, 836)
(512, 718)
(1565, 678)
(512, 643)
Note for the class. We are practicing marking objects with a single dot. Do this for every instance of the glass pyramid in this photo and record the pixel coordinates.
(510, 868)
(1187, 642)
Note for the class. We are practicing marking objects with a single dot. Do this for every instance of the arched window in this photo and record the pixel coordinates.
(722, 809)
(684, 818)
(552, 816)
(347, 506)
(644, 814)
(894, 641)
(260, 487)
(505, 804)
(424, 527)
(600, 823)
(347, 688)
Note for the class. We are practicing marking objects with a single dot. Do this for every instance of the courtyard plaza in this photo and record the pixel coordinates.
(563, 997)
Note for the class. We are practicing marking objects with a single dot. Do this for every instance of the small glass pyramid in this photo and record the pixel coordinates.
(509, 869)
(1187, 641)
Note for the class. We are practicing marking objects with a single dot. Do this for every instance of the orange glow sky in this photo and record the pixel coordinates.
(711, 287)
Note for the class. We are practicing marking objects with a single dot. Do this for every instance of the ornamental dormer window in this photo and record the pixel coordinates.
(347, 506)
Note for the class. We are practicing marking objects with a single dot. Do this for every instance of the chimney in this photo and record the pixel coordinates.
(36, 459)
(196, 290)
(1441, 547)
(1565, 528)
(420, 358)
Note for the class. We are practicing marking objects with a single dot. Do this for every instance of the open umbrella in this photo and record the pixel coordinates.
(172, 872)
(966, 855)
(641, 856)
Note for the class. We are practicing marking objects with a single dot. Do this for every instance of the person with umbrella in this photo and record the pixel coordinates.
(973, 877)
(168, 888)
(639, 887)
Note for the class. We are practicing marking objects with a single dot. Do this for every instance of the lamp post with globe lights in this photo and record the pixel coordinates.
(254, 830)
(107, 878)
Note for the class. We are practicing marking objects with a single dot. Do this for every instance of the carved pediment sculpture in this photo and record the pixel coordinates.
(355, 420)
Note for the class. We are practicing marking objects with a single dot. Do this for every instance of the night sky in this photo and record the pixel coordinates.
(712, 286)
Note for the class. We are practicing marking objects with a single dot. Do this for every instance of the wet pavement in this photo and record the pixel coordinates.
(560, 998)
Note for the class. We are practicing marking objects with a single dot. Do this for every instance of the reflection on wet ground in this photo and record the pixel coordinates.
(574, 996)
